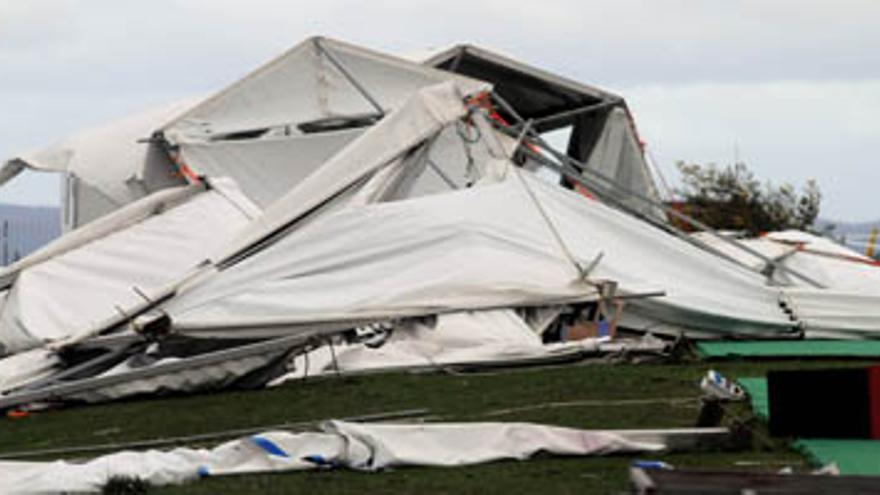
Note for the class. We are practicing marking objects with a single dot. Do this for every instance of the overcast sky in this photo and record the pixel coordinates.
(793, 87)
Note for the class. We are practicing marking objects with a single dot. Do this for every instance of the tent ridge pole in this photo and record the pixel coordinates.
(348, 75)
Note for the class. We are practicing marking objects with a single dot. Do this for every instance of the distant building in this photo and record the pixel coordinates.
(24, 229)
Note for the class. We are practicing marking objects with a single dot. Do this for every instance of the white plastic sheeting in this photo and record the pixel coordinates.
(80, 289)
(353, 445)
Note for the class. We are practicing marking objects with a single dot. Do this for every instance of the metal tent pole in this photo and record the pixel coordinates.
(539, 123)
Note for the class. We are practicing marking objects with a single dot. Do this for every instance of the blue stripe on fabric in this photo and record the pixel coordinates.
(269, 446)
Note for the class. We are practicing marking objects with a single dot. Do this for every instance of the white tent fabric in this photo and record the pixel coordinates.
(834, 266)
(80, 289)
(835, 314)
(484, 247)
(434, 254)
(303, 85)
(27, 367)
(848, 305)
(121, 218)
(265, 169)
(461, 338)
(358, 446)
(255, 130)
(617, 155)
(109, 165)
(424, 114)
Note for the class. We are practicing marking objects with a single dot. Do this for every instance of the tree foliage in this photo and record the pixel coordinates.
(732, 198)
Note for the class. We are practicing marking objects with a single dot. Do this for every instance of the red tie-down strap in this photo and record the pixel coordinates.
(183, 169)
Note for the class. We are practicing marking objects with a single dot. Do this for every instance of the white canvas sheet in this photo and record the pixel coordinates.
(369, 447)
(440, 253)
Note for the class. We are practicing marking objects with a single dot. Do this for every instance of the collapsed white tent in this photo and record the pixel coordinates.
(493, 245)
(325, 94)
(367, 447)
(510, 240)
(428, 210)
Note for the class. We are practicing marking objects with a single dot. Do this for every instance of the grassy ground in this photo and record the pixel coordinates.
(515, 395)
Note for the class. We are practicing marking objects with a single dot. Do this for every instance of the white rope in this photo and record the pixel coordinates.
(582, 272)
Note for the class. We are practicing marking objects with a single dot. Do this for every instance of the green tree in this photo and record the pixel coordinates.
(732, 198)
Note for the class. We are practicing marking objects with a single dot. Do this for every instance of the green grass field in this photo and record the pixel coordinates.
(668, 396)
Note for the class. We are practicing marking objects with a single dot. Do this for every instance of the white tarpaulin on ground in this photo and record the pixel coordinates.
(81, 288)
(369, 447)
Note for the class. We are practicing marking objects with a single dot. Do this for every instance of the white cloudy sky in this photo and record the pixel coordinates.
(793, 85)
